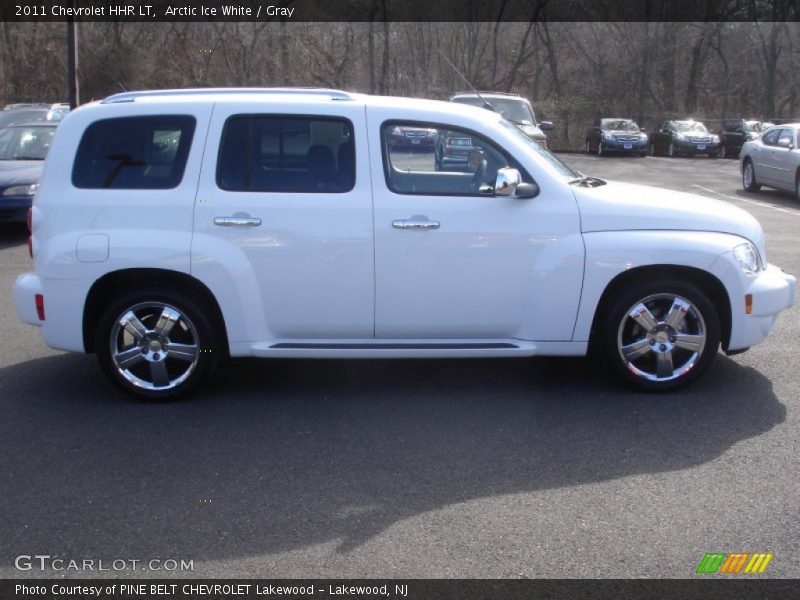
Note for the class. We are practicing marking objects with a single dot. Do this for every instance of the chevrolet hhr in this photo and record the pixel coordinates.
(173, 229)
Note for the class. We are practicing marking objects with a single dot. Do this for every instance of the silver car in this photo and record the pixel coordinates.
(773, 160)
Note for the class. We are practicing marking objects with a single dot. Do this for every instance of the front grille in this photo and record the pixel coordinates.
(627, 138)
(416, 134)
(699, 140)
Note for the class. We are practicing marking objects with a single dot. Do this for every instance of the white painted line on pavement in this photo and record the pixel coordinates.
(761, 204)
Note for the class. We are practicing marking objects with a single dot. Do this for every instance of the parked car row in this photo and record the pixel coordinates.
(672, 138)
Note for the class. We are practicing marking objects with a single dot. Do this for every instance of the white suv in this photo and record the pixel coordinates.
(172, 229)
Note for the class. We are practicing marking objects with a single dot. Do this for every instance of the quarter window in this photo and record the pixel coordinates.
(771, 137)
(134, 153)
(261, 153)
(434, 160)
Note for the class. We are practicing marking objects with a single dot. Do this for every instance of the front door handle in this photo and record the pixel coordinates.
(415, 222)
(237, 221)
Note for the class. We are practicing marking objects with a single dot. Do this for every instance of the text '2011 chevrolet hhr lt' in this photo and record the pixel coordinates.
(173, 229)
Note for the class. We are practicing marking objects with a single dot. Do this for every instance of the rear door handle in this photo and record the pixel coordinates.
(415, 222)
(237, 221)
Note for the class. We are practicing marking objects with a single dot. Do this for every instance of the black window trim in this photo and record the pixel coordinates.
(431, 125)
(250, 115)
(178, 179)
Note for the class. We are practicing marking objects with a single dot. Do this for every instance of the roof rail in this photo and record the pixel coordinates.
(472, 93)
(132, 96)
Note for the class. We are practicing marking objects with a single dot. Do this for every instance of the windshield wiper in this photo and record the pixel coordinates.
(27, 158)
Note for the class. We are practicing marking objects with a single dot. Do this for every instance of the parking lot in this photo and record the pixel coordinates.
(445, 468)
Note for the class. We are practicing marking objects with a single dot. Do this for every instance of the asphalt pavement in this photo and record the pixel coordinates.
(444, 468)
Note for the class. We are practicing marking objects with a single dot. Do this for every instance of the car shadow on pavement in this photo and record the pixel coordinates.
(279, 455)
(12, 234)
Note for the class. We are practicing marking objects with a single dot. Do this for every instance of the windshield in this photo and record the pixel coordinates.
(539, 150)
(515, 110)
(25, 143)
(689, 126)
(619, 125)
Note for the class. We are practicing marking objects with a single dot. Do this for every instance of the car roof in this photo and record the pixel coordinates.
(52, 124)
(495, 95)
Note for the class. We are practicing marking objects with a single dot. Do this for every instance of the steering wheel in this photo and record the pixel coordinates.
(477, 178)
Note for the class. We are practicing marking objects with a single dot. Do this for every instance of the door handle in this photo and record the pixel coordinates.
(415, 223)
(237, 221)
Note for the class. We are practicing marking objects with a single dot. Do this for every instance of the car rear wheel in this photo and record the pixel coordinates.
(749, 182)
(660, 335)
(156, 344)
(797, 187)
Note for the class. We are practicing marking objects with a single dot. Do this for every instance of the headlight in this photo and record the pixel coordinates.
(21, 190)
(680, 136)
(608, 137)
(715, 139)
(747, 256)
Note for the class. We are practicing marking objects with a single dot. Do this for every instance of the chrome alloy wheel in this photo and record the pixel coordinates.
(154, 346)
(661, 337)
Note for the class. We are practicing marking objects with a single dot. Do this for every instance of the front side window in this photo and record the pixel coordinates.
(296, 154)
(447, 161)
(786, 138)
(130, 153)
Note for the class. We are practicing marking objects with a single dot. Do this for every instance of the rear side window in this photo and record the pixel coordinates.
(134, 153)
(266, 153)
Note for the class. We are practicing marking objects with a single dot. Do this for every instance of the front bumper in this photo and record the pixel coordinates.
(772, 291)
(696, 147)
(622, 146)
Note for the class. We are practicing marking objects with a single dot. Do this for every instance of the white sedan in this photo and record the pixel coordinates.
(773, 160)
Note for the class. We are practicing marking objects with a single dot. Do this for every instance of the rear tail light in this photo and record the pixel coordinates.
(39, 298)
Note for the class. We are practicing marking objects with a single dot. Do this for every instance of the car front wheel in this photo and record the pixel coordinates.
(156, 344)
(661, 335)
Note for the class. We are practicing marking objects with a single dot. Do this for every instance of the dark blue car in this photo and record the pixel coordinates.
(23, 148)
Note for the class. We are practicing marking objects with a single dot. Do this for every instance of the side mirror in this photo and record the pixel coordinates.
(785, 143)
(546, 126)
(527, 190)
(507, 181)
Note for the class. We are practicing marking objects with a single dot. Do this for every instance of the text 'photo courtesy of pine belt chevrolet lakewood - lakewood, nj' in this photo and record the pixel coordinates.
(174, 229)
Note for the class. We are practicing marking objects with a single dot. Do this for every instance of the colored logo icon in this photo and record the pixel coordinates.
(734, 562)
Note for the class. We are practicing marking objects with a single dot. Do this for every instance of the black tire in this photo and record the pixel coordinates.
(189, 351)
(644, 372)
(797, 186)
(749, 183)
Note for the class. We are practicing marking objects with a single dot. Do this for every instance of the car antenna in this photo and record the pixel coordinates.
(472, 87)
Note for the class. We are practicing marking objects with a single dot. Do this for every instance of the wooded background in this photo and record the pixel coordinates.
(572, 72)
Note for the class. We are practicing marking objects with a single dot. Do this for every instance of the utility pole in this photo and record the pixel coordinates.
(72, 60)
